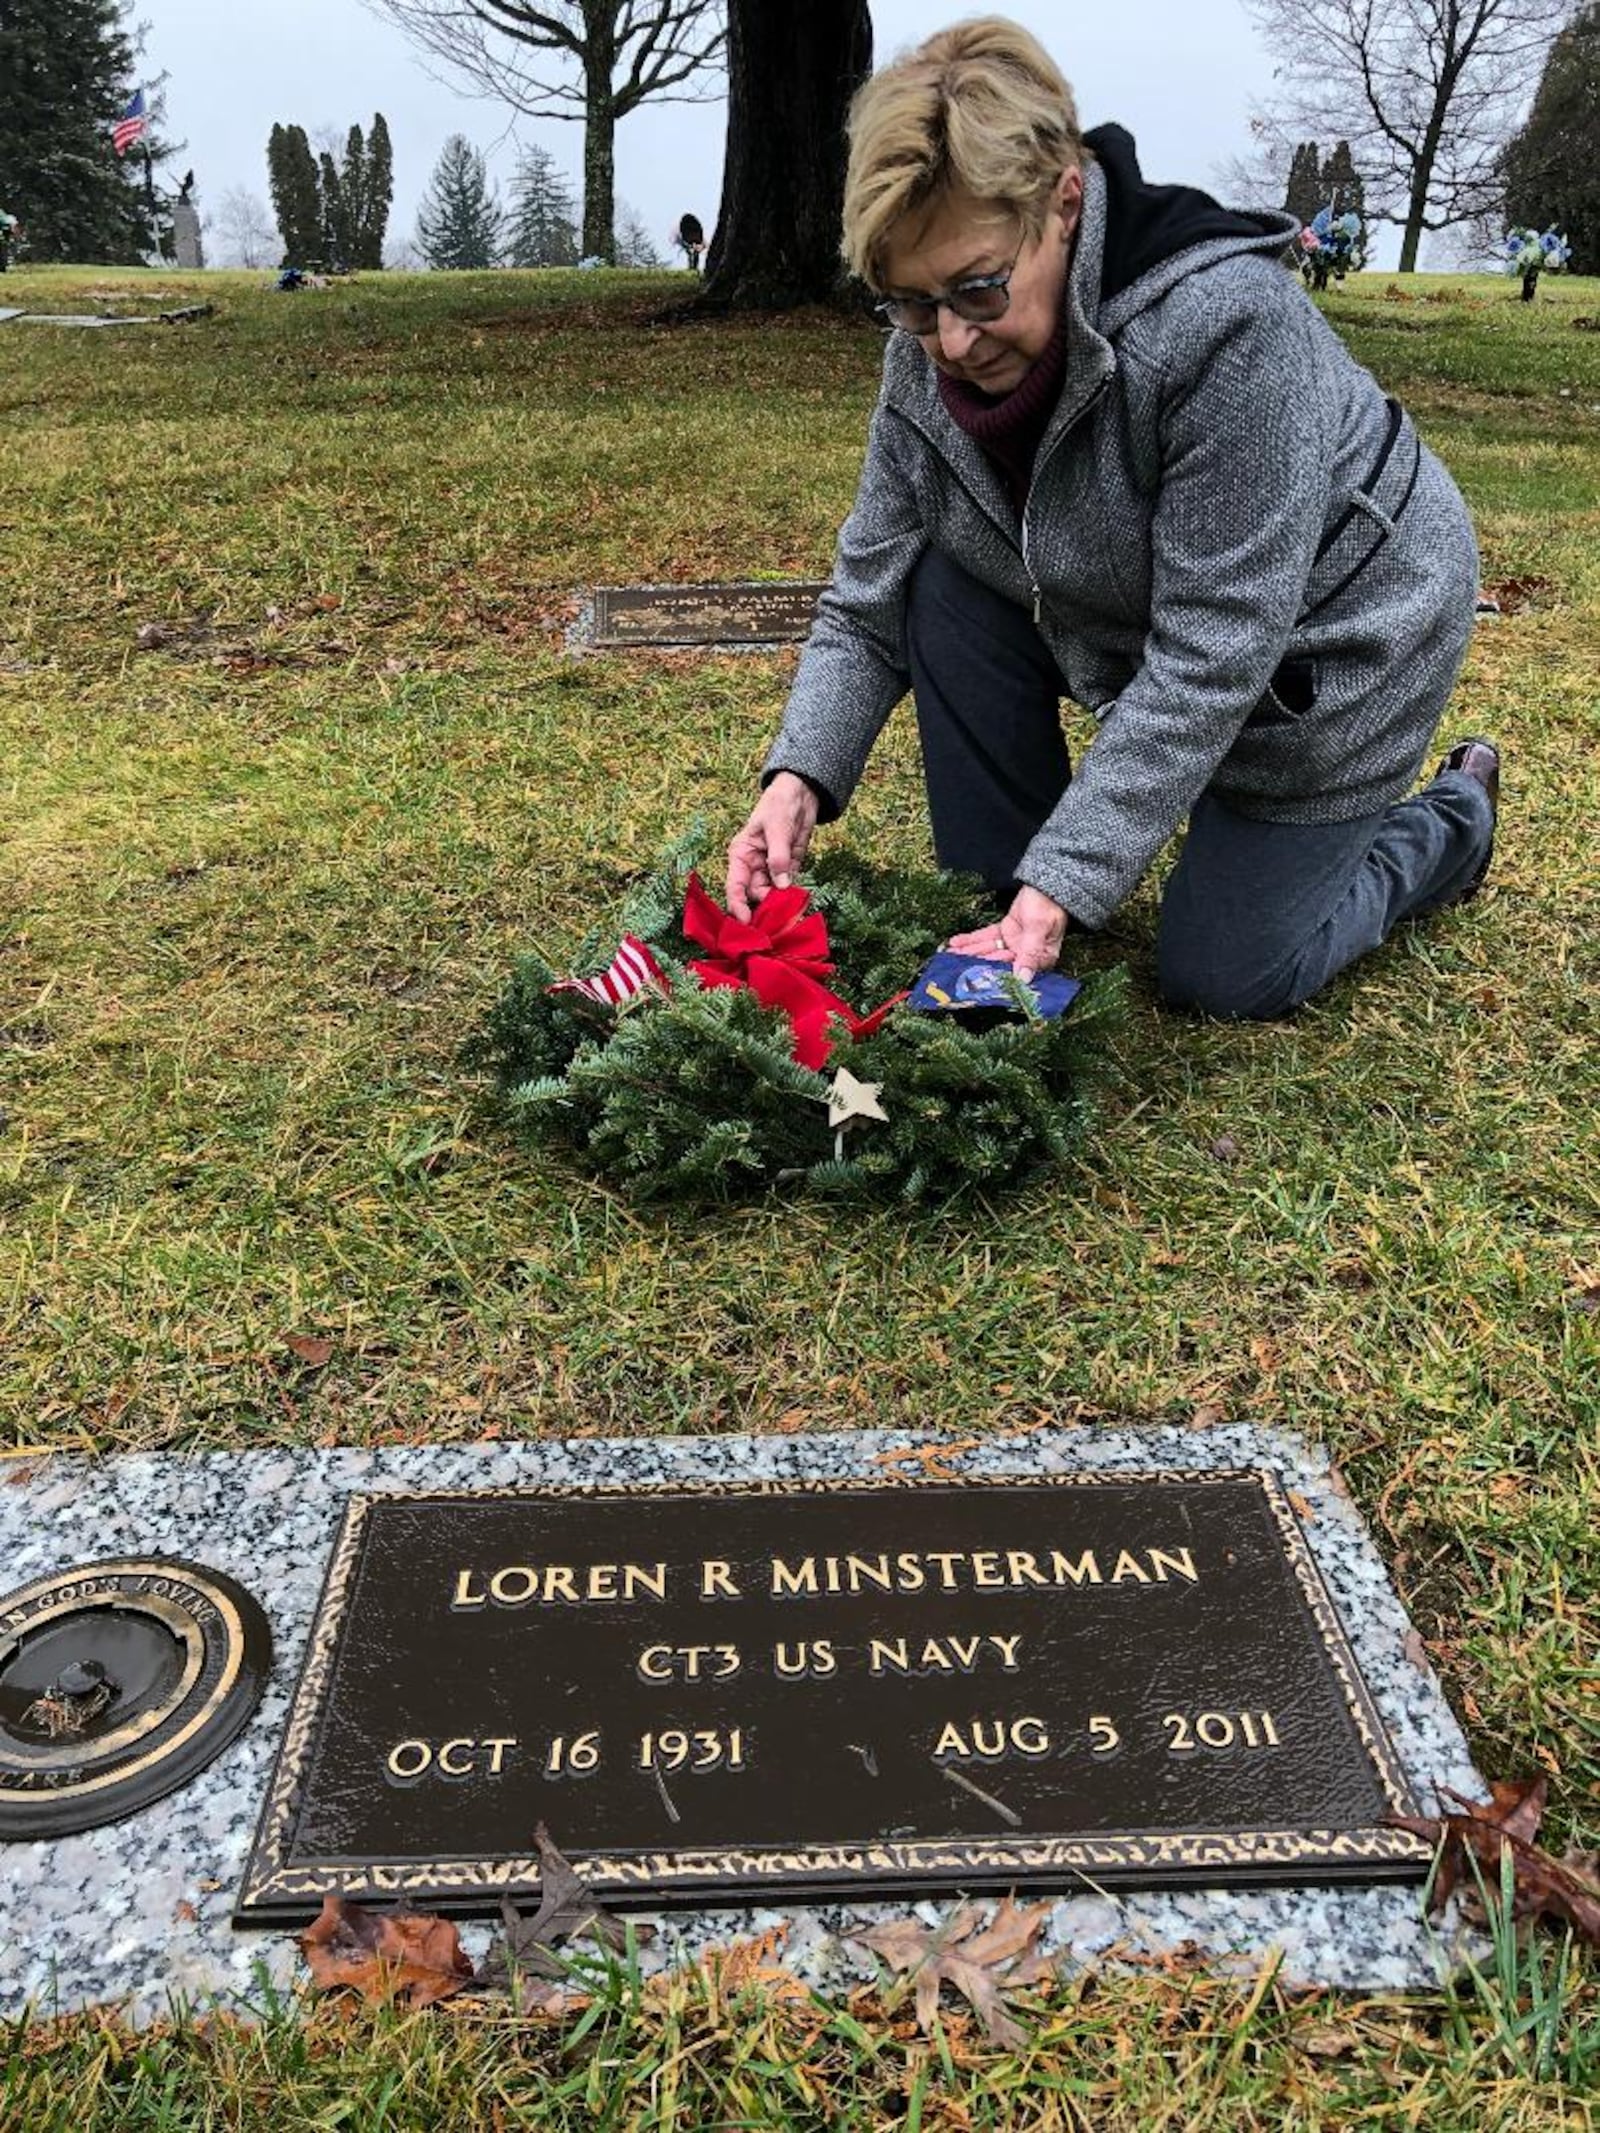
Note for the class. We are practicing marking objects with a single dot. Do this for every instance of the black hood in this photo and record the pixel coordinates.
(1147, 223)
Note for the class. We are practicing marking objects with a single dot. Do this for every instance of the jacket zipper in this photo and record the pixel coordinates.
(1066, 430)
(1020, 548)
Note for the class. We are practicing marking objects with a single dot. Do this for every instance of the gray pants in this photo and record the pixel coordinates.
(1257, 916)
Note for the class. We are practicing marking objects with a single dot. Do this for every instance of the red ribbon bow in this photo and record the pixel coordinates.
(781, 955)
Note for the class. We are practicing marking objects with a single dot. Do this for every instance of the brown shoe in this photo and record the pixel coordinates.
(1478, 759)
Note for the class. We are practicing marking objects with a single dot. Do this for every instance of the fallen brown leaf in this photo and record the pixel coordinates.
(933, 1459)
(1484, 1830)
(567, 1909)
(980, 1961)
(1327, 2040)
(385, 1955)
(752, 1965)
(311, 1348)
(1511, 595)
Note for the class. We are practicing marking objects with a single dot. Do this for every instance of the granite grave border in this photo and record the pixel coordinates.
(139, 1912)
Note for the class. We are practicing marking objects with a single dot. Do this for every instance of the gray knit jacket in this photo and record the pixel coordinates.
(1244, 561)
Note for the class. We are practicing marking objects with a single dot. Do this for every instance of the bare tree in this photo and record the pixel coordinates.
(1425, 91)
(245, 229)
(594, 60)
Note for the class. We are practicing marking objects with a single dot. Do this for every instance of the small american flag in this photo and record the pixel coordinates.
(131, 124)
(633, 968)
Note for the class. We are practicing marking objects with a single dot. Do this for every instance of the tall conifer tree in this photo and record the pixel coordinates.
(1304, 194)
(542, 227)
(1342, 186)
(458, 223)
(331, 209)
(352, 196)
(66, 75)
(333, 213)
(296, 189)
(377, 195)
(1552, 166)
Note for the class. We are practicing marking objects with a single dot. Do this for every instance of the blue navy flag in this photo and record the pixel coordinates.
(951, 984)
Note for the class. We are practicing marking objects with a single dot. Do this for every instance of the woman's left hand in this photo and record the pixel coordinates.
(1029, 936)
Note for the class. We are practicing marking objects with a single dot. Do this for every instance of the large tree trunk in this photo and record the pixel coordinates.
(1416, 208)
(599, 186)
(599, 153)
(1422, 175)
(791, 74)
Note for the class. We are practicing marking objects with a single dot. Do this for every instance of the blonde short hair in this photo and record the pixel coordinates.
(981, 107)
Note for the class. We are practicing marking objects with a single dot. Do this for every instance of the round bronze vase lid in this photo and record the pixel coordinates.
(119, 1682)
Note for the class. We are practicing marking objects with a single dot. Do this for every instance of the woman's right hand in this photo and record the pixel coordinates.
(772, 844)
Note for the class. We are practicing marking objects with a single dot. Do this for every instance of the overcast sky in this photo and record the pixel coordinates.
(1179, 73)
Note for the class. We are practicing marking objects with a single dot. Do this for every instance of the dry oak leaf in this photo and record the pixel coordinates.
(979, 1961)
(934, 1459)
(567, 1908)
(1482, 1830)
(754, 1964)
(385, 1955)
(1327, 2040)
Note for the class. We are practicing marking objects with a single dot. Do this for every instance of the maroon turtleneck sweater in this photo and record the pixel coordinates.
(1009, 427)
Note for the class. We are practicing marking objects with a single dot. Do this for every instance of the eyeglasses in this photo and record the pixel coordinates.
(979, 301)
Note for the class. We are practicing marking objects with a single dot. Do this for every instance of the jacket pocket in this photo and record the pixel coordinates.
(1369, 518)
(1292, 690)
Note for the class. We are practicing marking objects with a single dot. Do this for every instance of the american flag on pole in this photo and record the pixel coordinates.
(632, 969)
(131, 124)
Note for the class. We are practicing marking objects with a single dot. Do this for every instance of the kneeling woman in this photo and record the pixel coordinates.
(1119, 456)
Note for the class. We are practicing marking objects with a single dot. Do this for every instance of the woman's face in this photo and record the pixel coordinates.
(960, 238)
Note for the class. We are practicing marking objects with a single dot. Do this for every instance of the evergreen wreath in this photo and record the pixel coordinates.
(696, 1095)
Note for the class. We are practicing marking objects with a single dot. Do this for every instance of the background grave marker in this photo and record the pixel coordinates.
(742, 614)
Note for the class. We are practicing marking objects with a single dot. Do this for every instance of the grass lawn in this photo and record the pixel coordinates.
(259, 881)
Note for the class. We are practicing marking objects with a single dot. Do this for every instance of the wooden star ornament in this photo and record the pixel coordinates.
(849, 1098)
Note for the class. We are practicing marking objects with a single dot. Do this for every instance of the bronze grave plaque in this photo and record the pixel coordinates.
(703, 614)
(810, 1690)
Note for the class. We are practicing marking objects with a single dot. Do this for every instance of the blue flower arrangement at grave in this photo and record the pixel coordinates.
(1530, 253)
(713, 1059)
(1331, 247)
